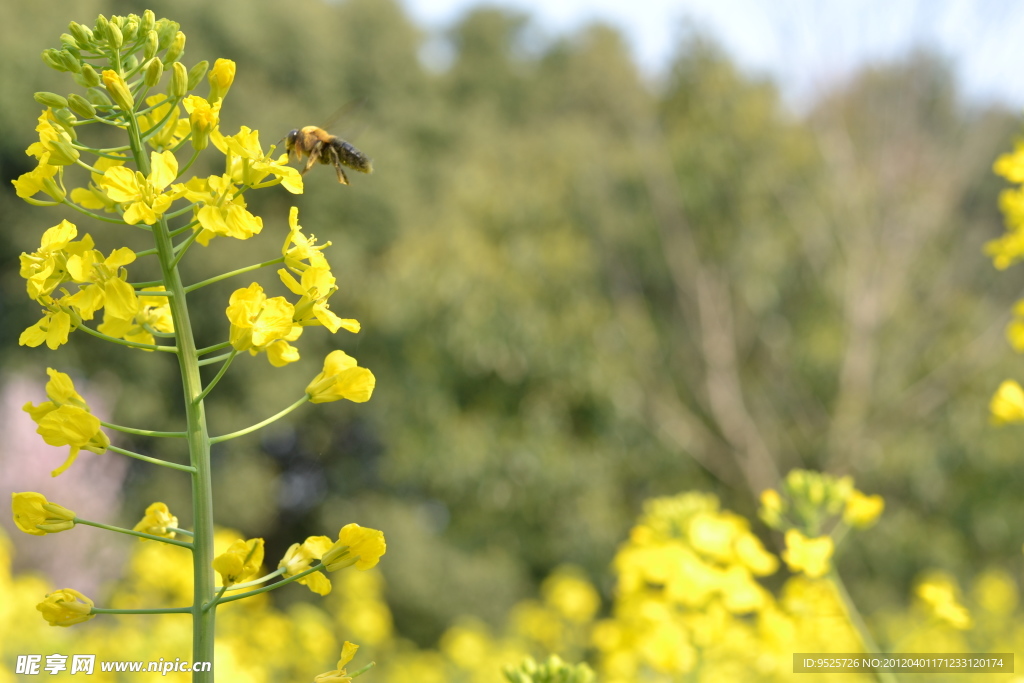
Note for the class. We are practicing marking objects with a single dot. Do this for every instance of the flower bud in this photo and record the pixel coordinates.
(154, 71)
(52, 59)
(61, 152)
(100, 30)
(118, 90)
(81, 106)
(202, 118)
(179, 81)
(130, 62)
(221, 77)
(148, 20)
(167, 30)
(53, 189)
(90, 79)
(196, 73)
(98, 97)
(70, 62)
(152, 45)
(114, 36)
(177, 47)
(49, 99)
(82, 34)
(68, 40)
(130, 29)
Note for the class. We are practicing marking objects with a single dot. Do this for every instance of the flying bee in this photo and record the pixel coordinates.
(319, 145)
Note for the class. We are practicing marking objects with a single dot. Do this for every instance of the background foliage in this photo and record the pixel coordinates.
(580, 289)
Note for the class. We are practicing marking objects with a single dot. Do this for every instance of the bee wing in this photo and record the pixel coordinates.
(344, 111)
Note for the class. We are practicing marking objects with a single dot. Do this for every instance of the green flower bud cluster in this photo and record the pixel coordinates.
(133, 46)
(552, 671)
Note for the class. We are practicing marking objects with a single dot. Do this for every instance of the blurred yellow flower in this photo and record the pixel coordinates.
(938, 592)
(35, 515)
(808, 555)
(1011, 164)
(1007, 404)
(66, 607)
(862, 511)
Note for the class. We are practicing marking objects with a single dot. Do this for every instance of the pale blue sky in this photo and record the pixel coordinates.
(804, 43)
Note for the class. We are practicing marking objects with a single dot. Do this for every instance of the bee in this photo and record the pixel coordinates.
(319, 145)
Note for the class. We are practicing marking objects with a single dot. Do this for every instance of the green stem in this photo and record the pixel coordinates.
(96, 216)
(224, 276)
(203, 621)
(161, 610)
(259, 425)
(141, 432)
(273, 586)
(216, 599)
(125, 342)
(188, 165)
(210, 349)
(183, 247)
(131, 532)
(217, 359)
(857, 621)
(154, 461)
(220, 373)
(183, 532)
(256, 582)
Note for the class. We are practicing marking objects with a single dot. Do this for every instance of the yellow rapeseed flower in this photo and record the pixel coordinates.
(221, 76)
(40, 179)
(341, 378)
(65, 420)
(66, 607)
(316, 286)
(158, 517)
(357, 546)
(144, 195)
(240, 561)
(53, 329)
(203, 119)
(299, 558)
(348, 651)
(257, 322)
(299, 248)
(35, 515)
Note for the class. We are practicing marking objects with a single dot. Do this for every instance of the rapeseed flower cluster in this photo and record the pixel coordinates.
(132, 79)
